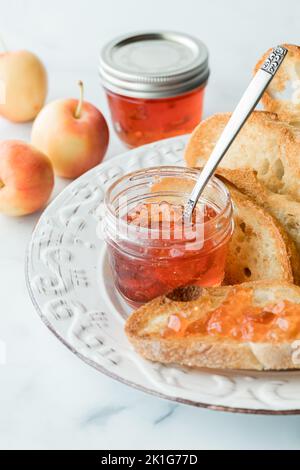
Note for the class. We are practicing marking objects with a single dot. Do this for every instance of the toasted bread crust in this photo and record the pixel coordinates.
(278, 206)
(202, 354)
(265, 144)
(259, 248)
(287, 109)
(207, 351)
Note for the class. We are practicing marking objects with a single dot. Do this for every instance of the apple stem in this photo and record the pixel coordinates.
(2, 44)
(1, 184)
(80, 102)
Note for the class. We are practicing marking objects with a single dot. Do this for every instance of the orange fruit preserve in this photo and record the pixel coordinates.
(241, 320)
(167, 253)
(139, 121)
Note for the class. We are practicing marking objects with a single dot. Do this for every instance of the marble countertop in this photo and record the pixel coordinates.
(48, 398)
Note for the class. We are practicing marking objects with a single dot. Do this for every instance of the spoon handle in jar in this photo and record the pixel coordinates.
(248, 102)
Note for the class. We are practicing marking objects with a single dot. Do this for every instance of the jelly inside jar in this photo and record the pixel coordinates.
(167, 253)
(140, 121)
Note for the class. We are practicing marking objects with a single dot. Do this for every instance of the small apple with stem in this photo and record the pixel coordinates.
(73, 133)
(23, 85)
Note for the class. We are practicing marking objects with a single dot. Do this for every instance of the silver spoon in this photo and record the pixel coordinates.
(248, 102)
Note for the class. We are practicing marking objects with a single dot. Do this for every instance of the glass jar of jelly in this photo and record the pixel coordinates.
(151, 249)
(155, 83)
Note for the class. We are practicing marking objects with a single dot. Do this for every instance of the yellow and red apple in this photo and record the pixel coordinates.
(23, 85)
(26, 178)
(74, 135)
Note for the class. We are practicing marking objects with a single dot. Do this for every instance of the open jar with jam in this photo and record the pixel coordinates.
(152, 250)
(155, 84)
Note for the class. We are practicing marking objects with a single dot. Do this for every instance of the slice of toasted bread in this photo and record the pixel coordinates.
(252, 326)
(265, 144)
(282, 208)
(259, 248)
(283, 95)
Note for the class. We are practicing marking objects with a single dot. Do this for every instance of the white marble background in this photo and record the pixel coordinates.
(48, 398)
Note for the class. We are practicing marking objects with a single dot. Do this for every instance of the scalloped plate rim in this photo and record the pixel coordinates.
(92, 363)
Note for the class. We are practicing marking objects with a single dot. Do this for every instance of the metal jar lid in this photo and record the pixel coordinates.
(154, 64)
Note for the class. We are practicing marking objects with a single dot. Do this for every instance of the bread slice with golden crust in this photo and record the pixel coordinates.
(265, 144)
(283, 209)
(253, 326)
(259, 247)
(283, 95)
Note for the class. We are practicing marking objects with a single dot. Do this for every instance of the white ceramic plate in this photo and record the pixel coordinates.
(70, 284)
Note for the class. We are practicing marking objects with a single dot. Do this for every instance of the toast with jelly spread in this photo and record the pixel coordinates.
(265, 144)
(283, 94)
(253, 326)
